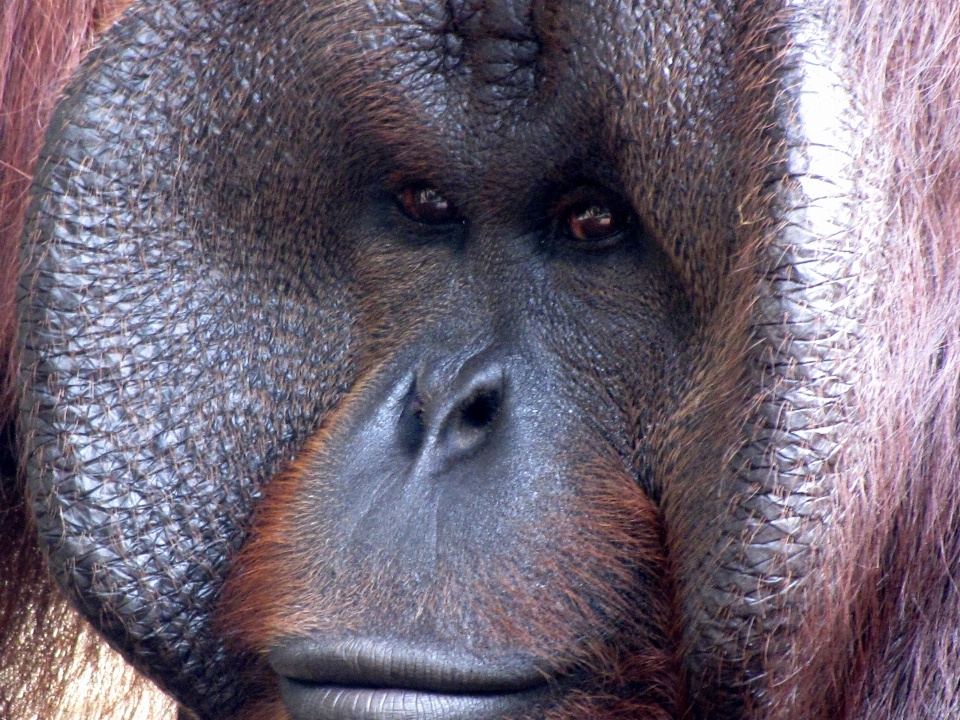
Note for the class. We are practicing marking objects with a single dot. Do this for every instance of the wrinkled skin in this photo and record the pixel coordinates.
(411, 359)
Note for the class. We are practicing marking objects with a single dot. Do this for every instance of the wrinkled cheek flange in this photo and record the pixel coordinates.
(116, 462)
(148, 425)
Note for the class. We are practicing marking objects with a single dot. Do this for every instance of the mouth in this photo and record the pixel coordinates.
(367, 680)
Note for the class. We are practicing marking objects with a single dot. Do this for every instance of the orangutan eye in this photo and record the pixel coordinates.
(426, 204)
(595, 222)
(593, 218)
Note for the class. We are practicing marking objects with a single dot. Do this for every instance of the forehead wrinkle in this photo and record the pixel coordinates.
(423, 103)
(461, 57)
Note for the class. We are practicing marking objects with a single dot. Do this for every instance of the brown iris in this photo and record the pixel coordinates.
(593, 218)
(424, 203)
(594, 222)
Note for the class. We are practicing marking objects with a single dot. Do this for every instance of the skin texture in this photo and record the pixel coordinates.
(492, 360)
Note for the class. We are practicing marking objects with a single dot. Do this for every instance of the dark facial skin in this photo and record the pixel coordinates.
(364, 399)
(469, 532)
(478, 485)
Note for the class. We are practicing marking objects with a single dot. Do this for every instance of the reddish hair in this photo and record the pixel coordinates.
(879, 639)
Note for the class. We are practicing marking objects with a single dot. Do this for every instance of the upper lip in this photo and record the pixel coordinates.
(377, 664)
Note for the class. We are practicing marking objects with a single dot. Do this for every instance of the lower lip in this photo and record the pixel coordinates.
(330, 702)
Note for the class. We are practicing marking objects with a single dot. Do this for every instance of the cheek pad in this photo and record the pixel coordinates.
(163, 377)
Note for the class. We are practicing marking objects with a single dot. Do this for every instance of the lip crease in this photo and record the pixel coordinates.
(372, 680)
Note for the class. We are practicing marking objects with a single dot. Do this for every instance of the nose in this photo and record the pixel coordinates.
(449, 415)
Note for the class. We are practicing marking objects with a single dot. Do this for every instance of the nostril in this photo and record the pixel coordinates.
(472, 420)
(450, 411)
(480, 410)
(415, 407)
(412, 430)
